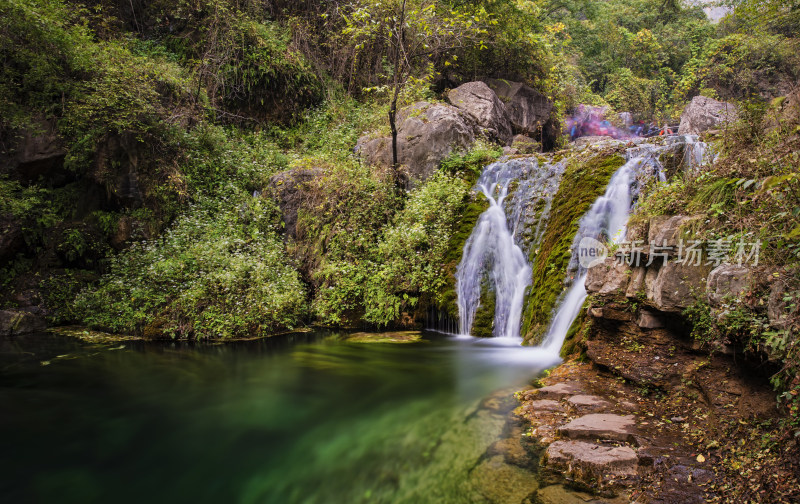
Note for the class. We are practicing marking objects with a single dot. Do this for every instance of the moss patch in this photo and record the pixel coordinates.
(583, 181)
(386, 337)
(577, 333)
(473, 208)
(483, 323)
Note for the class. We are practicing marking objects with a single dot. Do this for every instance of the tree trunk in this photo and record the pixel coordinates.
(398, 80)
(393, 126)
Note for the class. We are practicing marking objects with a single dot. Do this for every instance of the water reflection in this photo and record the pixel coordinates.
(302, 418)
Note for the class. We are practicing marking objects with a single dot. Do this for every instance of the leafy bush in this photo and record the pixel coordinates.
(219, 272)
(387, 276)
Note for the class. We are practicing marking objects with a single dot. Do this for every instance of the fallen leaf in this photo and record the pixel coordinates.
(701, 459)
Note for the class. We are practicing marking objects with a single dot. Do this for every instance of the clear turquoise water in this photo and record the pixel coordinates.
(297, 419)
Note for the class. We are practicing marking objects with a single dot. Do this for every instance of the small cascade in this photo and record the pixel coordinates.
(520, 194)
(606, 221)
(496, 249)
(440, 321)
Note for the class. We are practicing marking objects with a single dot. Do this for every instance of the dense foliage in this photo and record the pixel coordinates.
(218, 272)
(170, 115)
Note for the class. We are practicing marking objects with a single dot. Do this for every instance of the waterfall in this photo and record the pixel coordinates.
(494, 250)
(520, 194)
(606, 221)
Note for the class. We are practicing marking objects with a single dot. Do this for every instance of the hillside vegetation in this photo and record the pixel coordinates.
(153, 215)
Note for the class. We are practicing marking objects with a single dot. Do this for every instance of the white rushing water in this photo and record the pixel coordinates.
(493, 252)
(605, 221)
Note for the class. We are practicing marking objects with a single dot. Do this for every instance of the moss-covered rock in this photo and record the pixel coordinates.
(583, 181)
(483, 323)
(384, 337)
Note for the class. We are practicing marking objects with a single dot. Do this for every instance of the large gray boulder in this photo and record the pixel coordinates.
(703, 113)
(17, 322)
(426, 134)
(531, 113)
(484, 108)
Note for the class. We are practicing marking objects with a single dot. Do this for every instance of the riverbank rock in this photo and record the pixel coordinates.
(558, 391)
(481, 104)
(15, 322)
(588, 402)
(384, 337)
(644, 447)
(592, 460)
(703, 113)
(426, 134)
(601, 426)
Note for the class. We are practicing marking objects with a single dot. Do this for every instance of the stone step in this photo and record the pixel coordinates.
(592, 460)
(601, 426)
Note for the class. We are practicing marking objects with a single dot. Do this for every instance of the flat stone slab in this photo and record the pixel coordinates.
(592, 458)
(545, 405)
(589, 402)
(384, 337)
(558, 390)
(601, 426)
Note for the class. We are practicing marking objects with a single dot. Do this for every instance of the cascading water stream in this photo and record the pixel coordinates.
(493, 252)
(606, 219)
(493, 241)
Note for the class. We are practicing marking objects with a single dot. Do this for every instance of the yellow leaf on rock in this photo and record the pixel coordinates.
(701, 459)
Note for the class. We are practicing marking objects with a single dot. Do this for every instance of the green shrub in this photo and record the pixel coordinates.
(219, 272)
(382, 278)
